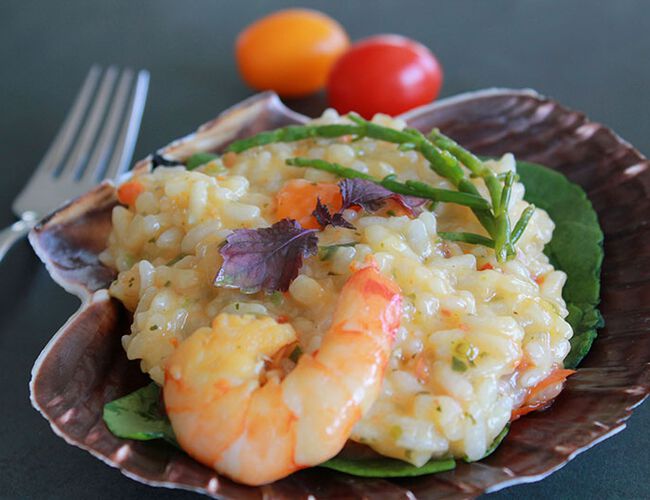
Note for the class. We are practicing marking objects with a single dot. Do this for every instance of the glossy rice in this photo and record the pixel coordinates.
(475, 334)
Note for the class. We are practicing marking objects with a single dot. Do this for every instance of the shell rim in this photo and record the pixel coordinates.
(88, 298)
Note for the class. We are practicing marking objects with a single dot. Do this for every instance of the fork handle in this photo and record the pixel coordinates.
(12, 234)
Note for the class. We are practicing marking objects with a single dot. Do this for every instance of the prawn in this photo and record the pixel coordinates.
(226, 416)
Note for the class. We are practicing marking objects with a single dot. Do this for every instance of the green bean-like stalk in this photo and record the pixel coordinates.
(502, 243)
(446, 158)
(472, 162)
(505, 238)
(521, 224)
(408, 188)
(472, 238)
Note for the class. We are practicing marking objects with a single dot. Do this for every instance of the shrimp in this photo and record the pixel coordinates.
(224, 413)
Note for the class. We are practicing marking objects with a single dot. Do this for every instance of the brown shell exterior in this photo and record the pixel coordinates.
(84, 366)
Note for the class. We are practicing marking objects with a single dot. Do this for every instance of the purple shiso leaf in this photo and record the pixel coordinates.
(323, 216)
(366, 194)
(372, 197)
(266, 259)
(411, 203)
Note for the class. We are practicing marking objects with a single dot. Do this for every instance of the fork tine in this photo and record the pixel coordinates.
(66, 134)
(107, 137)
(123, 150)
(77, 160)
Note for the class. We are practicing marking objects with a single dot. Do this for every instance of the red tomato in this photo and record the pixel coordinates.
(384, 74)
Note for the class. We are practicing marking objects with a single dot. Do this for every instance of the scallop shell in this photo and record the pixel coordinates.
(84, 366)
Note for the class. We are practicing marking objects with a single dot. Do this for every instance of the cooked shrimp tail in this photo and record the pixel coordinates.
(254, 428)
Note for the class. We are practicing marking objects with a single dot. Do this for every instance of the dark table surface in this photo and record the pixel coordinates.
(591, 56)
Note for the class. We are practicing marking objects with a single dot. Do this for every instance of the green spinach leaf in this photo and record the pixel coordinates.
(139, 416)
(387, 467)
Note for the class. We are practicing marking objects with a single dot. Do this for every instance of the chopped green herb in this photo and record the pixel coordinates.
(396, 432)
(391, 213)
(176, 259)
(129, 260)
(277, 298)
(466, 352)
(167, 283)
(295, 354)
(153, 328)
(326, 252)
(457, 365)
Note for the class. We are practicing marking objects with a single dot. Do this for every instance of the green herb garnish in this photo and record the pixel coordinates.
(276, 298)
(295, 354)
(176, 259)
(198, 159)
(445, 157)
(326, 252)
(472, 238)
(408, 188)
(458, 365)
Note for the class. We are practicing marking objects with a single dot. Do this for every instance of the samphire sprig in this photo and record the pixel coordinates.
(446, 158)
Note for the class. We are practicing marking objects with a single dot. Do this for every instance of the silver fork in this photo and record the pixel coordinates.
(95, 142)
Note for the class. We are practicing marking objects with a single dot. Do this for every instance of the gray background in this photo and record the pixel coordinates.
(590, 55)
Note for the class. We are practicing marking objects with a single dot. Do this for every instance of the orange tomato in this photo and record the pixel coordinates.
(297, 200)
(290, 51)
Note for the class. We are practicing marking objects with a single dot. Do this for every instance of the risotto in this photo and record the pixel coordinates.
(476, 335)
